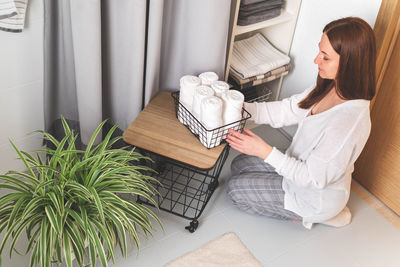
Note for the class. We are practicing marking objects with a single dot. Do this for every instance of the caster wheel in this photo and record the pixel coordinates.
(192, 226)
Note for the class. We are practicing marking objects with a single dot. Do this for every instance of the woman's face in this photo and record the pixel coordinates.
(327, 59)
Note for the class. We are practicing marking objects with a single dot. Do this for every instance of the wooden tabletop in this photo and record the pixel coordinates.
(157, 129)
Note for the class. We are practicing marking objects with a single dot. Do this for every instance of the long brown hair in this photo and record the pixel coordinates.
(354, 40)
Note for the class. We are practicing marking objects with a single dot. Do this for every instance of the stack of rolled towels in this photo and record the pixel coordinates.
(212, 104)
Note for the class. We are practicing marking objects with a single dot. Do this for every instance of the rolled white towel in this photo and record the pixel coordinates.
(211, 117)
(220, 87)
(188, 84)
(207, 78)
(232, 110)
(200, 92)
(233, 103)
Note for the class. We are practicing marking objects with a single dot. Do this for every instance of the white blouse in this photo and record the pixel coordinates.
(318, 164)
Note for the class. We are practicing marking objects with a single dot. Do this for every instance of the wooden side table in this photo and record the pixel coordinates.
(187, 171)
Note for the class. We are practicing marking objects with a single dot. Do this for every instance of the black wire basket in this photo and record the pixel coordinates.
(208, 137)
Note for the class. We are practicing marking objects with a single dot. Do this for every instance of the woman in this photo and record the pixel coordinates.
(311, 180)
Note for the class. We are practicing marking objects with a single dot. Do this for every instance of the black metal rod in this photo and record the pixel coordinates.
(145, 53)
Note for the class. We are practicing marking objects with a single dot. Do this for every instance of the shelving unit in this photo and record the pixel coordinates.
(279, 31)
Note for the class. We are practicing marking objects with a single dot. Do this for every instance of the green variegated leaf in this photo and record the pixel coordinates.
(19, 230)
(99, 205)
(21, 156)
(34, 255)
(55, 220)
(99, 247)
(120, 228)
(17, 182)
(68, 200)
(67, 250)
(32, 179)
(105, 237)
(43, 243)
(77, 244)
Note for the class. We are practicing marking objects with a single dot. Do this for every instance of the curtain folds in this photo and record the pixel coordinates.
(97, 65)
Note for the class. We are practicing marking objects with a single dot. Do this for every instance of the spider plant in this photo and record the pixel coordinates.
(69, 202)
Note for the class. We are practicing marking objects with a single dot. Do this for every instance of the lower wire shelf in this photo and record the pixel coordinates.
(184, 190)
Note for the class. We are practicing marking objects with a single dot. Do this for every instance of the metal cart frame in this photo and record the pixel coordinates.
(184, 190)
(187, 171)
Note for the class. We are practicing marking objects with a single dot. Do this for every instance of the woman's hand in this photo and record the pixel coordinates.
(248, 143)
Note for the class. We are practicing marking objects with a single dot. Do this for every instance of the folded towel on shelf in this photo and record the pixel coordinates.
(211, 117)
(12, 15)
(258, 16)
(7, 9)
(260, 6)
(239, 80)
(207, 78)
(257, 12)
(249, 2)
(258, 82)
(220, 87)
(255, 56)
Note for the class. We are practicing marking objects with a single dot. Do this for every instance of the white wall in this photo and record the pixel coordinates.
(21, 87)
(313, 16)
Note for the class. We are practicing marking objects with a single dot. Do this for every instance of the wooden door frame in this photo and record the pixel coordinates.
(387, 28)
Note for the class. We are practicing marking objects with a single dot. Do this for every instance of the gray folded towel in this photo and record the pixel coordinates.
(258, 17)
(260, 5)
(259, 11)
(248, 2)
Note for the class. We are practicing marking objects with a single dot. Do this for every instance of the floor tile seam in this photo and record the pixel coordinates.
(238, 233)
(214, 200)
(211, 213)
(159, 240)
(223, 209)
(229, 220)
(294, 246)
(221, 213)
(137, 252)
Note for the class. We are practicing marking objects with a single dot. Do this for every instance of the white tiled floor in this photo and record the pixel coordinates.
(369, 241)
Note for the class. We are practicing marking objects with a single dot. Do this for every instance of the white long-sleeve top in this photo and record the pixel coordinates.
(317, 166)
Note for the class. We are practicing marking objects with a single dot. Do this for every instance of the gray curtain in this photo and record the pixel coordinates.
(98, 67)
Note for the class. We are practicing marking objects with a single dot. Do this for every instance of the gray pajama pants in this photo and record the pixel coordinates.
(256, 188)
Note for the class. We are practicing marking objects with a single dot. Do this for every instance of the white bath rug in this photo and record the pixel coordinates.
(226, 250)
